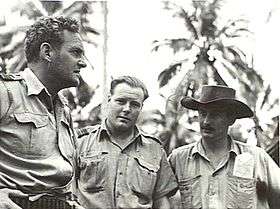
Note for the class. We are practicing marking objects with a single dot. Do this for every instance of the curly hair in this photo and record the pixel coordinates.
(132, 82)
(47, 29)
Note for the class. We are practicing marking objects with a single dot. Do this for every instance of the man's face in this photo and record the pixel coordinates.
(214, 123)
(69, 59)
(124, 107)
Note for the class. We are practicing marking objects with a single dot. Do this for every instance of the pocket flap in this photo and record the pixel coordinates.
(38, 120)
(147, 165)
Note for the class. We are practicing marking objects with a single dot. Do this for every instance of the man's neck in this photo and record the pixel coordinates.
(40, 71)
(120, 137)
(215, 145)
(216, 148)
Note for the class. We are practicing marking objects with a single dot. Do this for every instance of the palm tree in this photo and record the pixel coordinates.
(216, 62)
(12, 58)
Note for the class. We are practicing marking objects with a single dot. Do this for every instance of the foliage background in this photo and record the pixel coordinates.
(174, 47)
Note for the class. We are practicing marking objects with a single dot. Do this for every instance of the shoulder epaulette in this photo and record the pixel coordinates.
(86, 130)
(153, 138)
(11, 77)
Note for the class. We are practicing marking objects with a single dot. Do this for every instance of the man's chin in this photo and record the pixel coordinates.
(122, 126)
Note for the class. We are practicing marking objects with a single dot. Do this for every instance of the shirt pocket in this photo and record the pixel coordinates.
(93, 171)
(142, 178)
(34, 137)
(190, 190)
(241, 192)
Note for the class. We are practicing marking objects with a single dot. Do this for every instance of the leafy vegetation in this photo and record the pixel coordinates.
(23, 14)
(217, 60)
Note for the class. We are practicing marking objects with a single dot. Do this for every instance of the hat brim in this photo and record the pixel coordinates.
(236, 107)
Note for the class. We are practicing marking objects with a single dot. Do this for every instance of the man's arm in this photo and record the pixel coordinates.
(6, 202)
(162, 203)
(4, 100)
(166, 184)
(273, 177)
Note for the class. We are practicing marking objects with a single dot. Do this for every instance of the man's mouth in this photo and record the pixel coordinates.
(124, 118)
(77, 71)
(207, 129)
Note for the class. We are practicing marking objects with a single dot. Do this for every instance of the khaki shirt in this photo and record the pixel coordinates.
(36, 151)
(111, 177)
(248, 178)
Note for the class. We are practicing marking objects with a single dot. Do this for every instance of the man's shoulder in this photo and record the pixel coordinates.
(185, 149)
(256, 151)
(151, 138)
(244, 147)
(11, 76)
(85, 131)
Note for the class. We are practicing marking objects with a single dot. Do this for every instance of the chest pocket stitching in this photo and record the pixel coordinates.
(92, 171)
(144, 179)
(146, 165)
(39, 120)
(241, 192)
(190, 188)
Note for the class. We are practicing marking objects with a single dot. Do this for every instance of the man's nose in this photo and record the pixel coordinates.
(126, 107)
(206, 119)
(82, 63)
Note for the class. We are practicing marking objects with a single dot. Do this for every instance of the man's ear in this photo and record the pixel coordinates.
(46, 52)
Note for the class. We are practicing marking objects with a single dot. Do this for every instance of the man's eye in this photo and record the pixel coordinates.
(202, 113)
(120, 101)
(76, 53)
(135, 105)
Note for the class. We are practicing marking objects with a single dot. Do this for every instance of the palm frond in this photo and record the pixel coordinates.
(175, 44)
(230, 24)
(168, 73)
(266, 96)
(188, 18)
(32, 9)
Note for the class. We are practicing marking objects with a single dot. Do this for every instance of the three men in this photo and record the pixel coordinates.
(217, 171)
(119, 167)
(36, 134)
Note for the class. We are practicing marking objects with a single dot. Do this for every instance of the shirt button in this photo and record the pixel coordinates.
(118, 194)
(120, 173)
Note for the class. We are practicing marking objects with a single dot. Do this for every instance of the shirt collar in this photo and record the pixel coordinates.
(104, 130)
(198, 148)
(34, 85)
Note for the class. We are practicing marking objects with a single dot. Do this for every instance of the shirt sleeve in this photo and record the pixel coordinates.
(4, 99)
(172, 161)
(273, 181)
(166, 184)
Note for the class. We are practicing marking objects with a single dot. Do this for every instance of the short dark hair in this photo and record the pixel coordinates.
(132, 82)
(47, 29)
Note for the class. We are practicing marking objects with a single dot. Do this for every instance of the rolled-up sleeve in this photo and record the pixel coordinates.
(166, 184)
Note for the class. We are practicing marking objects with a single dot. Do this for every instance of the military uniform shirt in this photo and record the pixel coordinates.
(247, 178)
(36, 152)
(111, 177)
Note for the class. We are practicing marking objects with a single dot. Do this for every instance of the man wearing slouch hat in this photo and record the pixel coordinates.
(218, 171)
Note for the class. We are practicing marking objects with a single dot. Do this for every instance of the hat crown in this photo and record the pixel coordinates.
(211, 93)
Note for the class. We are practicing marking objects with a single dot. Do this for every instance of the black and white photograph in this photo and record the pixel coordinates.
(121, 104)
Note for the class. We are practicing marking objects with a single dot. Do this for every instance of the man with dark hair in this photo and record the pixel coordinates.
(37, 146)
(120, 167)
(218, 172)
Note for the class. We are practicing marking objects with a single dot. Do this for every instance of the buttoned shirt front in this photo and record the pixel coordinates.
(234, 183)
(112, 177)
(36, 137)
